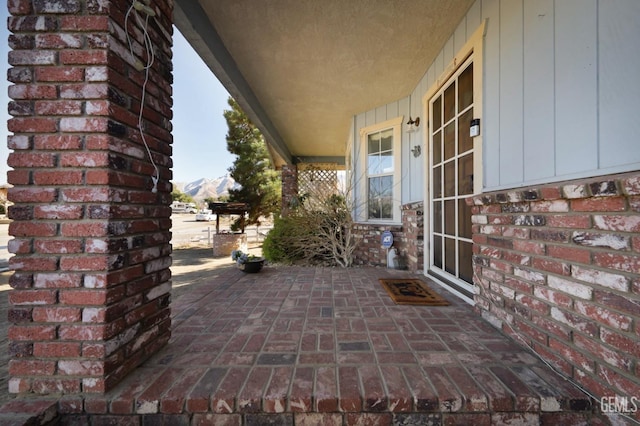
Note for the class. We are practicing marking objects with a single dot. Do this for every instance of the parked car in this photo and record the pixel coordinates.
(205, 216)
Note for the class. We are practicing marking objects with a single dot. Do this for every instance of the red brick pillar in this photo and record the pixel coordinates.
(90, 298)
(289, 187)
(413, 230)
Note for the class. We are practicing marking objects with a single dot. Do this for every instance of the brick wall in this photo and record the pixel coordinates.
(407, 240)
(411, 247)
(369, 250)
(560, 266)
(289, 187)
(225, 243)
(90, 298)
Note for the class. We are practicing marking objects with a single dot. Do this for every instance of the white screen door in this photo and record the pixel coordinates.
(451, 181)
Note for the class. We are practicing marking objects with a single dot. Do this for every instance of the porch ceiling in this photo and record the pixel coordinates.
(302, 68)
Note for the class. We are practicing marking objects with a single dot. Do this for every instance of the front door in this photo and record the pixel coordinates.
(451, 181)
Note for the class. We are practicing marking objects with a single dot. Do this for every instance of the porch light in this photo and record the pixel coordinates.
(412, 125)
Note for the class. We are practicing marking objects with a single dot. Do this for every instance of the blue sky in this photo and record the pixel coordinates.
(199, 129)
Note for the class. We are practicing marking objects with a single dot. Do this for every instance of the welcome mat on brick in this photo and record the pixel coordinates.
(412, 291)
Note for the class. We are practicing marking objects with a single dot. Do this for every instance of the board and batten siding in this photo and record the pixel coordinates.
(411, 181)
(560, 79)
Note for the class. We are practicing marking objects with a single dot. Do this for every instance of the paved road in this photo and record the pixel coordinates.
(186, 232)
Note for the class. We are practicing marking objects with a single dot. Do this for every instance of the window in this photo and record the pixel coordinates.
(381, 160)
(380, 174)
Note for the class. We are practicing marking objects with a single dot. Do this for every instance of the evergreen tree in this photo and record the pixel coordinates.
(177, 195)
(260, 184)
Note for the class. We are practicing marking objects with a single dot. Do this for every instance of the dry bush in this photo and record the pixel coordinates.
(319, 230)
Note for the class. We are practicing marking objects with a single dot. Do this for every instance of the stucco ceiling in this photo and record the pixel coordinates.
(302, 69)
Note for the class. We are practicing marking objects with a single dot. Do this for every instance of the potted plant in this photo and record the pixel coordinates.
(247, 262)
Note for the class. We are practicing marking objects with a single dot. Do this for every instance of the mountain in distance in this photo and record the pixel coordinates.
(208, 188)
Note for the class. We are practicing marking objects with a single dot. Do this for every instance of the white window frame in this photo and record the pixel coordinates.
(362, 210)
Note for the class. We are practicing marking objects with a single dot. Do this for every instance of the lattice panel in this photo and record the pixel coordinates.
(317, 183)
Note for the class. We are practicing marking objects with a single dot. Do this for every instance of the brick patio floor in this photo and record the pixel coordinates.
(309, 346)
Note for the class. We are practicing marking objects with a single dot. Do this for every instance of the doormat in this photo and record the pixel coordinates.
(411, 291)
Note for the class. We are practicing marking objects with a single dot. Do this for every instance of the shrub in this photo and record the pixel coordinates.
(315, 233)
(276, 247)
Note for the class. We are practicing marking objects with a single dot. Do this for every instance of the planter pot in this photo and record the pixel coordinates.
(251, 266)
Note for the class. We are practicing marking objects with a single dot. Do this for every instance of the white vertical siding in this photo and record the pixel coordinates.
(448, 51)
(490, 125)
(559, 84)
(438, 64)
(511, 104)
(370, 118)
(460, 36)
(359, 191)
(414, 175)
(576, 82)
(539, 87)
(473, 18)
(393, 110)
(403, 108)
(619, 85)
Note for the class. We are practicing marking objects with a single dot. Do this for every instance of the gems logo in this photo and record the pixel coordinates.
(620, 404)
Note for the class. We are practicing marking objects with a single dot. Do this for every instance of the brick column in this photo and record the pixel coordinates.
(413, 230)
(289, 187)
(90, 298)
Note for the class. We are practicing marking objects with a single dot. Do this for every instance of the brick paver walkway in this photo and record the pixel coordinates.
(295, 345)
(322, 341)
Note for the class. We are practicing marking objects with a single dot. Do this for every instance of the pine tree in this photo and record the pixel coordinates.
(260, 183)
(177, 195)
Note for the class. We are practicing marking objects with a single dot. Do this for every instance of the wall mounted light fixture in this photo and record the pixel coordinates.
(412, 125)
